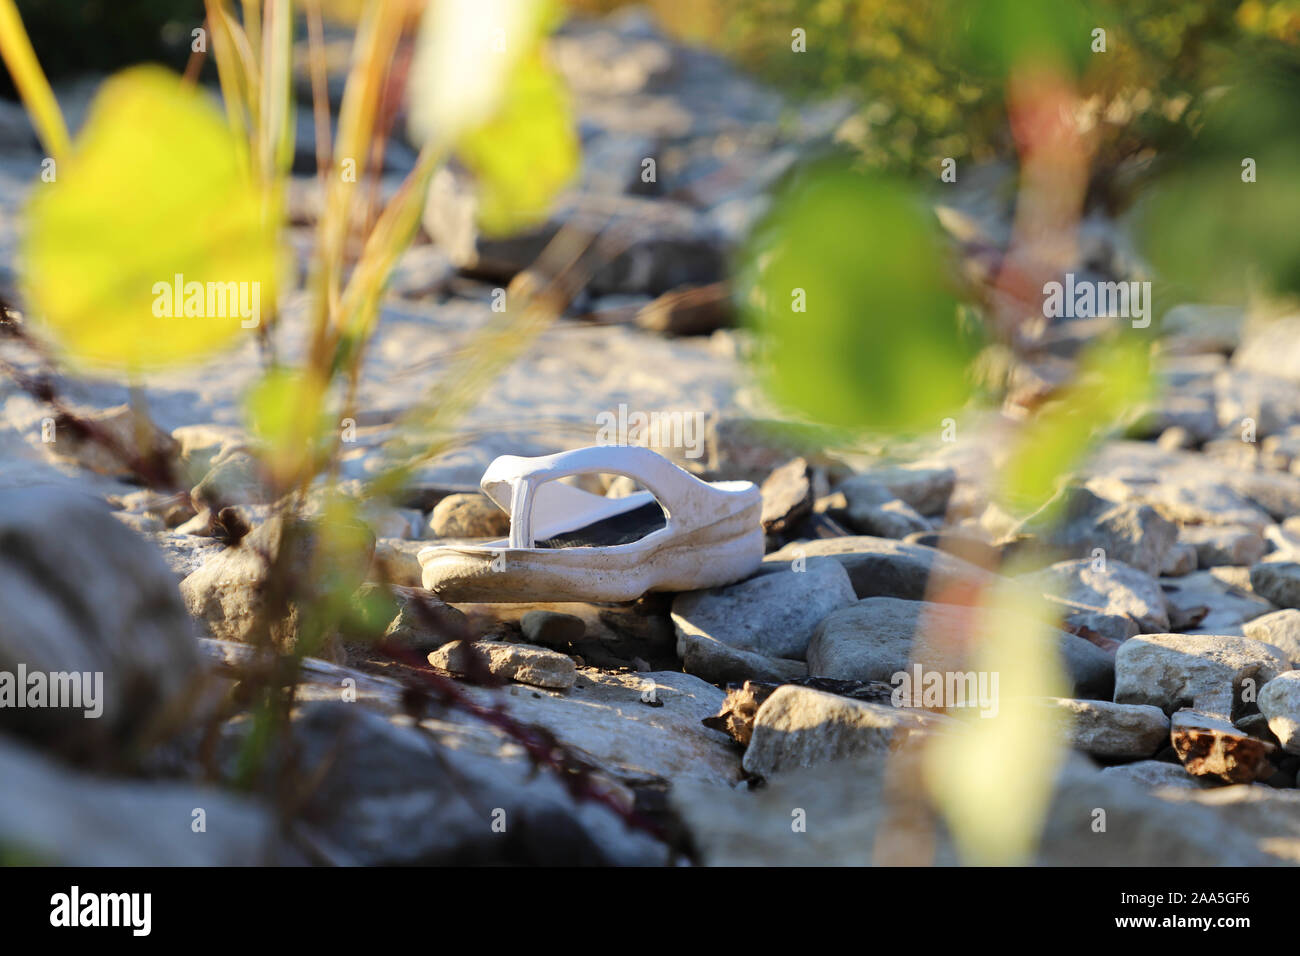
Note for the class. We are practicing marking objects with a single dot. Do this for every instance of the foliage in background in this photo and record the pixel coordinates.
(849, 294)
(861, 326)
(923, 100)
(1212, 236)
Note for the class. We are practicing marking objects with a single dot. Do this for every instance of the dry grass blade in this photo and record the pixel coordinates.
(275, 139)
(29, 78)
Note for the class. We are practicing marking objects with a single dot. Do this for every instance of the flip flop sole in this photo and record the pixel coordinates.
(591, 575)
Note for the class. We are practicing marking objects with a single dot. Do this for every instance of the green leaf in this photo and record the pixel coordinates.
(996, 818)
(153, 189)
(526, 153)
(879, 345)
(1114, 380)
(993, 37)
(1214, 236)
(286, 412)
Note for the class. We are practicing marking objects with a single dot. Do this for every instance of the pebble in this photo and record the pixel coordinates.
(798, 727)
(1278, 581)
(878, 637)
(1279, 702)
(1202, 670)
(764, 623)
(468, 516)
(1109, 730)
(525, 663)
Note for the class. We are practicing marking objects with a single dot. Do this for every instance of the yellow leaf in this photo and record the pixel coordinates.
(526, 153)
(1114, 378)
(993, 778)
(285, 410)
(150, 248)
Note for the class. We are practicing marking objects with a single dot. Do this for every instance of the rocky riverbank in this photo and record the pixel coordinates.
(691, 726)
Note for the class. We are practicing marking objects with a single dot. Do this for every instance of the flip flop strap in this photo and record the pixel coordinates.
(685, 499)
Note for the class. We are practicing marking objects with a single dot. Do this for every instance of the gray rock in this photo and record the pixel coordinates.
(1192, 500)
(419, 622)
(1278, 581)
(633, 725)
(850, 820)
(1271, 348)
(1111, 598)
(468, 516)
(520, 662)
(667, 245)
(395, 562)
(1224, 544)
(1268, 816)
(787, 496)
(236, 477)
(1280, 451)
(82, 594)
(131, 437)
(1180, 559)
(875, 510)
(1211, 602)
(880, 567)
(1206, 671)
(1277, 493)
(1272, 403)
(771, 616)
(387, 793)
(1104, 729)
(395, 522)
(552, 628)
(1281, 629)
(875, 639)
(201, 445)
(1193, 414)
(185, 553)
(1151, 774)
(927, 489)
(1137, 535)
(53, 816)
(228, 594)
(798, 727)
(1279, 701)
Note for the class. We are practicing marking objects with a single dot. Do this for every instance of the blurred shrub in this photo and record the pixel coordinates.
(79, 36)
(929, 72)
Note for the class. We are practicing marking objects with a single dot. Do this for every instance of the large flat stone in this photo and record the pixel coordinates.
(879, 637)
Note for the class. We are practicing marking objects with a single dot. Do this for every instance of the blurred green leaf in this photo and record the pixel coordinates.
(526, 153)
(285, 411)
(1114, 379)
(154, 189)
(991, 37)
(1212, 235)
(996, 818)
(879, 346)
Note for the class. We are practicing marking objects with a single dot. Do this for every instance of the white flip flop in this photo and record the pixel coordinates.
(712, 535)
